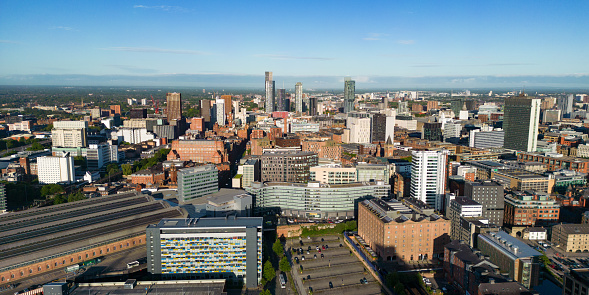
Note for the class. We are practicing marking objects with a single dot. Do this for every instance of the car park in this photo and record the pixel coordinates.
(330, 285)
(322, 256)
(315, 256)
(303, 258)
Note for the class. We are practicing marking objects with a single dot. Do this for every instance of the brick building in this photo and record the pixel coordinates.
(324, 149)
(530, 209)
(197, 124)
(149, 177)
(200, 151)
(282, 165)
(396, 232)
(556, 163)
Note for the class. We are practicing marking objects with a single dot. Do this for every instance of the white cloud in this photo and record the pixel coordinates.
(277, 56)
(156, 50)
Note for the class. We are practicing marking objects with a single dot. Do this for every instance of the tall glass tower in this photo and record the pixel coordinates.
(270, 93)
(520, 122)
(349, 94)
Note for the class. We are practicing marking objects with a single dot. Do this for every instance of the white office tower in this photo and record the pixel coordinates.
(69, 134)
(299, 97)
(390, 123)
(360, 129)
(428, 177)
(452, 132)
(481, 139)
(56, 169)
(220, 111)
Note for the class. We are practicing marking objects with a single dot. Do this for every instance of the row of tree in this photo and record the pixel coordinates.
(139, 165)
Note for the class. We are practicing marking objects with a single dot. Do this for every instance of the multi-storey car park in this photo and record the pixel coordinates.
(49, 238)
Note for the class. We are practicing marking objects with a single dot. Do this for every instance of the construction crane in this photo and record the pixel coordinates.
(155, 107)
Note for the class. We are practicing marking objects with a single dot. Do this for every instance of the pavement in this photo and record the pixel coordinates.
(339, 272)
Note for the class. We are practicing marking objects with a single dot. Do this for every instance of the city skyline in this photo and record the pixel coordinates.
(456, 44)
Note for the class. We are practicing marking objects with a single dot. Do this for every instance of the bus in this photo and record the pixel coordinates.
(282, 281)
(132, 264)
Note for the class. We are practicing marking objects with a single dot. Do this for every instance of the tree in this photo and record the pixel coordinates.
(284, 264)
(400, 289)
(48, 127)
(51, 189)
(80, 161)
(112, 168)
(392, 279)
(127, 169)
(76, 197)
(269, 272)
(278, 248)
(36, 147)
(59, 199)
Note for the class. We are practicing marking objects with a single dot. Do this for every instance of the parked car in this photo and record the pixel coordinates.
(330, 285)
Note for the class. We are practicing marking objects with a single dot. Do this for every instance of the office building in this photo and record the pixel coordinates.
(551, 116)
(555, 162)
(134, 135)
(470, 227)
(571, 237)
(227, 105)
(373, 172)
(56, 169)
(98, 155)
(522, 180)
(227, 202)
(520, 261)
(396, 232)
(299, 97)
(138, 113)
(461, 207)
(69, 134)
(432, 131)
(349, 94)
(530, 209)
(312, 106)
(196, 182)
(360, 126)
(428, 177)
(576, 282)
(174, 106)
(520, 122)
(379, 126)
(225, 248)
(270, 93)
(147, 123)
(313, 199)
(490, 195)
(390, 123)
(486, 139)
(250, 171)
(328, 149)
(283, 165)
(333, 174)
(452, 132)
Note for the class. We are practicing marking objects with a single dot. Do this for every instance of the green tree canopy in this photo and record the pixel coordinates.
(284, 264)
(269, 272)
(278, 248)
(51, 189)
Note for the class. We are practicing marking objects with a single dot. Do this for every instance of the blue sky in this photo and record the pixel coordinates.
(365, 40)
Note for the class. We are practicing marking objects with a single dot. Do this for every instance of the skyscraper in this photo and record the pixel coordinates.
(349, 94)
(299, 97)
(520, 122)
(312, 106)
(220, 111)
(280, 99)
(270, 93)
(174, 108)
(227, 99)
(565, 104)
(205, 109)
(428, 177)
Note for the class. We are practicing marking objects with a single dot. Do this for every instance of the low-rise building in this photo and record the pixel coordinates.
(514, 257)
(576, 282)
(315, 200)
(556, 161)
(571, 237)
(196, 182)
(534, 233)
(521, 180)
(397, 232)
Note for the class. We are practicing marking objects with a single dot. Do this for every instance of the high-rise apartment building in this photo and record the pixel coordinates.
(69, 134)
(270, 93)
(489, 194)
(174, 106)
(196, 182)
(428, 177)
(349, 94)
(219, 112)
(299, 97)
(287, 165)
(565, 104)
(281, 100)
(360, 126)
(205, 248)
(520, 122)
(227, 105)
(56, 169)
(205, 110)
(379, 127)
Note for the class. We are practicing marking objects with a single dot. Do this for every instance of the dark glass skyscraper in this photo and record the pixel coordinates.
(281, 100)
(349, 94)
(270, 93)
(520, 122)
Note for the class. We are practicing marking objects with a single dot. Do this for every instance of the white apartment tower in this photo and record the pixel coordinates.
(299, 97)
(220, 111)
(69, 134)
(428, 177)
(56, 169)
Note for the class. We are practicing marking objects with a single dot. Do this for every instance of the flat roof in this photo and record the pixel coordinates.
(507, 244)
(180, 287)
(230, 221)
(466, 201)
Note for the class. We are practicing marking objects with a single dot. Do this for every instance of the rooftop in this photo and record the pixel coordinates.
(230, 221)
(575, 229)
(464, 201)
(509, 245)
